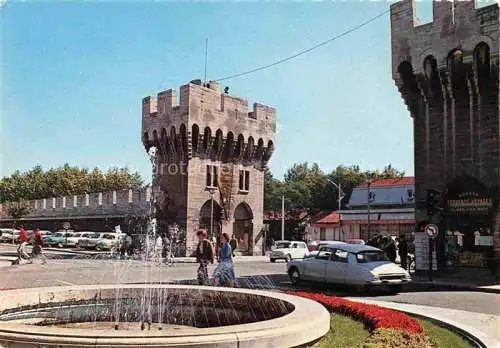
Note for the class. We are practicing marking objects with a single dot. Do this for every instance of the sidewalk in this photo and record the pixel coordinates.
(484, 328)
(469, 283)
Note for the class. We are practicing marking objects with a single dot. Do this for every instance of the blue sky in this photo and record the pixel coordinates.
(74, 75)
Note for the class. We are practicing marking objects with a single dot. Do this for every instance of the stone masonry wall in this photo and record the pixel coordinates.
(447, 73)
(207, 127)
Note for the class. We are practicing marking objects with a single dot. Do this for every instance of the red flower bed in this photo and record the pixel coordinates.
(374, 316)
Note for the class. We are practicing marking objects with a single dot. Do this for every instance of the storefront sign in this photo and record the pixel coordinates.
(470, 202)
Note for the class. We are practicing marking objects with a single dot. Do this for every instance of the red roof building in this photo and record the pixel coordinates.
(391, 210)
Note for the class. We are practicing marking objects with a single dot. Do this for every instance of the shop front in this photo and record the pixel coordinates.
(467, 234)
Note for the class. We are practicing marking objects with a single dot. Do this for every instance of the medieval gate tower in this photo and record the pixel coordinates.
(447, 73)
(212, 155)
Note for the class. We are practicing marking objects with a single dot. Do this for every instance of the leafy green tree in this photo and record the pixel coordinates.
(17, 210)
(66, 180)
(306, 186)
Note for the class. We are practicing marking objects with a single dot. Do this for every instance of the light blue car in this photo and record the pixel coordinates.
(57, 239)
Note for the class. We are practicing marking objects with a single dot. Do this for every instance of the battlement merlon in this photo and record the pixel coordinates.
(459, 24)
(197, 96)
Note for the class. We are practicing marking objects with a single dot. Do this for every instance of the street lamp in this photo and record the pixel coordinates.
(212, 192)
(339, 189)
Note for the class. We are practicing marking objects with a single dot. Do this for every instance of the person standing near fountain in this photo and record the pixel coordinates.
(224, 273)
(204, 256)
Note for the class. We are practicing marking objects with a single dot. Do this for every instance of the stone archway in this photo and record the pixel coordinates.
(205, 218)
(243, 227)
(468, 233)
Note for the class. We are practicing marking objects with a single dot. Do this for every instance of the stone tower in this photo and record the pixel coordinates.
(447, 74)
(212, 155)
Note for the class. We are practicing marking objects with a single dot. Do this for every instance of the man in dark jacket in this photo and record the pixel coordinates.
(234, 244)
(204, 256)
(403, 251)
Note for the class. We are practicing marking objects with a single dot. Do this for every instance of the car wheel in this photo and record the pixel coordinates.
(288, 258)
(272, 260)
(294, 276)
(395, 289)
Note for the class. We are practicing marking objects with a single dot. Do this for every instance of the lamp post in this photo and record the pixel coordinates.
(369, 196)
(341, 196)
(339, 189)
(212, 192)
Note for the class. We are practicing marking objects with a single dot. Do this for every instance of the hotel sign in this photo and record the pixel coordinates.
(470, 203)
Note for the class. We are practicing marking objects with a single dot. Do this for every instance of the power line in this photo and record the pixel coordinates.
(283, 60)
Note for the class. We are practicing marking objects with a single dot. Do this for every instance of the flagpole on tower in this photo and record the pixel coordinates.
(206, 54)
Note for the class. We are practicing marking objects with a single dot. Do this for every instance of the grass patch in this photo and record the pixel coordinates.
(344, 332)
(443, 338)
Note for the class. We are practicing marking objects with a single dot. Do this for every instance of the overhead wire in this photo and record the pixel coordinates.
(286, 59)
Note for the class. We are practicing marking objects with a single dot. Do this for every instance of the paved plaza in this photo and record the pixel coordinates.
(70, 268)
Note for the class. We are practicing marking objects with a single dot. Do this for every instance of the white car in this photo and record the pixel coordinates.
(352, 264)
(289, 250)
(321, 243)
(90, 241)
(73, 239)
(9, 235)
(108, 241)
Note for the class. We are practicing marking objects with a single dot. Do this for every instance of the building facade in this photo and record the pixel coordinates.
(447, 74)
(391, 210)
(212, 153)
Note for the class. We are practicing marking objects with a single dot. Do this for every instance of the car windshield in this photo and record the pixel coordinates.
(94, 236)
(371, 256)
(108, 236)
(283, 245)
(59, 235)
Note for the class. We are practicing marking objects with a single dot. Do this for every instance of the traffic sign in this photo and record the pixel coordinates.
(431, 230)
(66, 225)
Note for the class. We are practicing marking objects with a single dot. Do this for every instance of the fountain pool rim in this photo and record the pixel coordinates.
(307, 322)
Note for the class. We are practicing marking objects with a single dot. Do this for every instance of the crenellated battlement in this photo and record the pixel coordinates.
(196, 97)
(455, 25)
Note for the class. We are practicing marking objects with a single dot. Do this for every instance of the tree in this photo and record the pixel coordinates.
(63, 181)
(308, 187)
(18, 209)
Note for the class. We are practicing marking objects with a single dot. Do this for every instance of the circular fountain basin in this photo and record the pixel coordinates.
(157, 316)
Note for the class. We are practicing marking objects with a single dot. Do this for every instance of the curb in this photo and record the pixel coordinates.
(456, 286)
(471, 334)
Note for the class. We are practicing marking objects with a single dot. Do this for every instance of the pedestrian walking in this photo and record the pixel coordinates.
(403, 251)
(23, 241)
(38, 247)
(224, 273)
(234, 244)
(204, 256)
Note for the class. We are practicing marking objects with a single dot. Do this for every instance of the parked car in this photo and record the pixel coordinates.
(323, 243)
(9, 235)
(109, 240)
(288, 250)
(58, 239)
(73, 239)
(90, 242)
(352, 264)
(83, 236)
